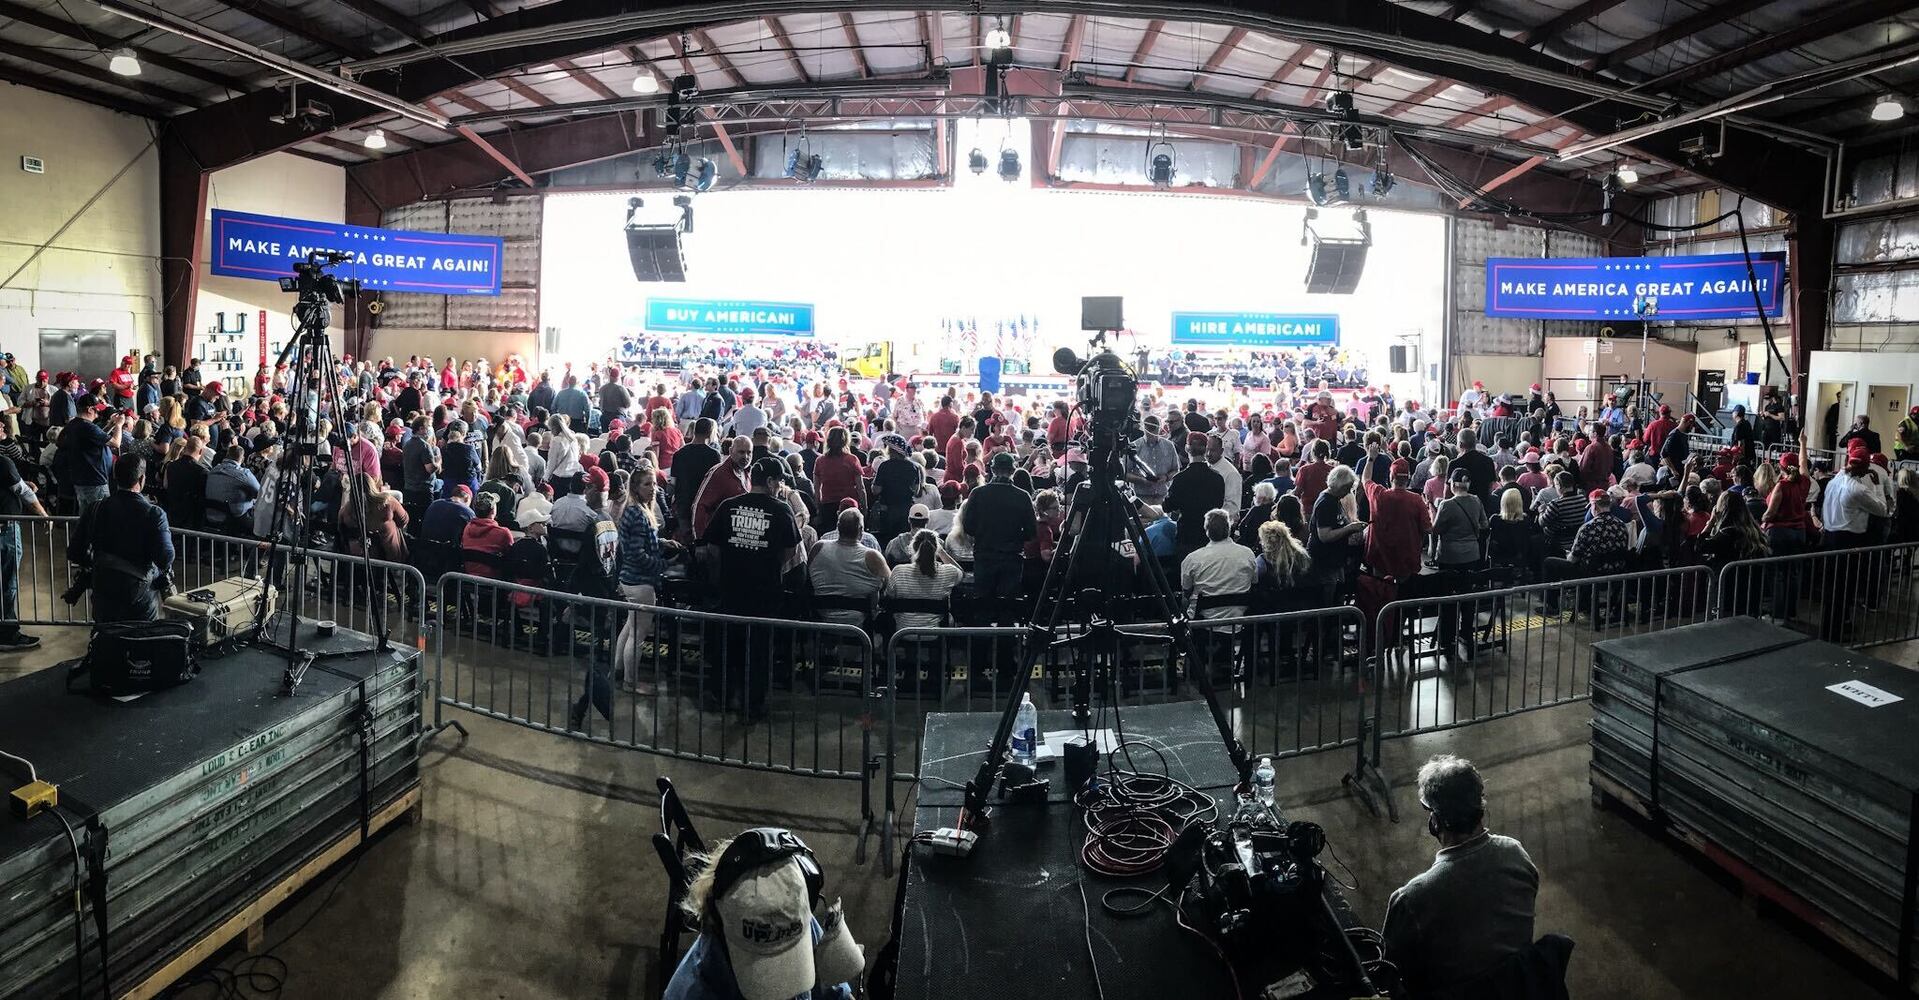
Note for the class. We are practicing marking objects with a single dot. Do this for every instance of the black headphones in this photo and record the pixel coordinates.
(1435, 827)
(762, 846)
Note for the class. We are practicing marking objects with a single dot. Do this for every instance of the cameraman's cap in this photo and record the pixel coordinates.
(1003, 461)
(767, 470)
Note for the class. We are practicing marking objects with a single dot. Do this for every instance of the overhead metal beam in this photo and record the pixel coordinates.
(1490, 106)
(1145, 49)
(107, 42)
(82, 94)
(438, 170)
(494, 153)
(732, 151)
(358, 152)
(712, 51)
(587, 80)
(1680, 30)
(465, 100)
(1288, 68)
(853, 38)
(1571, 18)
(299, 25)
(521, 88)
(1417, 98)
(1517, 171)
(1220, 53)
(1070, 46)
(1266, 164)
(778, 31)
(376, 11)
(28, 53)
(1834, 22)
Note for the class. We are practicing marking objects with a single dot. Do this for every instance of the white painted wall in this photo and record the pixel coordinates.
(102, 272)
(281, 184)
(1858, 372)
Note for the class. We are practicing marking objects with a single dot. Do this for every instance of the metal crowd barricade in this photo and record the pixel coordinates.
(767, 694)
(44, 572)
(1855, 597)
(1291, 683)
(1455, 660)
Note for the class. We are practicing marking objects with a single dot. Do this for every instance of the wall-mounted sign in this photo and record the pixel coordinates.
(730, 317)
(1252, 331)
(1706, 286)
(387, 260)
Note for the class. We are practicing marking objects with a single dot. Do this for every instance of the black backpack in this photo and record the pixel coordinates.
(136, 657)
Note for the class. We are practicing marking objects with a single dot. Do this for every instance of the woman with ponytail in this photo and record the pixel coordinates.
(931, 577)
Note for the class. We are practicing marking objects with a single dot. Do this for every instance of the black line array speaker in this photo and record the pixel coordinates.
(655, 252)
(1335, 266)
(1399, 358)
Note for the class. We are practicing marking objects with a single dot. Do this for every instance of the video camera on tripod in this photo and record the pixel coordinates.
(317, 289)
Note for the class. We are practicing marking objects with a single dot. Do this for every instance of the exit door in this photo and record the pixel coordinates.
(90, 354)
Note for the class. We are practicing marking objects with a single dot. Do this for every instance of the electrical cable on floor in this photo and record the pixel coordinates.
(79, 924)
(1086, 921)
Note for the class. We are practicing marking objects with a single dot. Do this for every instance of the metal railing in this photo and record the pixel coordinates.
(765, 693)
(1857, 597)
(1465, 658)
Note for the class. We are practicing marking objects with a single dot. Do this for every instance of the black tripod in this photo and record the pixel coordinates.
(316, 378)
(1100, 518)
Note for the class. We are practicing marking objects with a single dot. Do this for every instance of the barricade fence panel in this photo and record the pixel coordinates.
(1291, 683)
(44, 573)
(1458, 659)
(762, 693)
(1857, 596)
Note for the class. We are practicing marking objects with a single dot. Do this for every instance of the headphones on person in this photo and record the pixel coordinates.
(1435, 826)
(762, 846)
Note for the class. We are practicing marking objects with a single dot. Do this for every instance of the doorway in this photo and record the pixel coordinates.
(89, 354)
(1886, 405)
(1831, 414)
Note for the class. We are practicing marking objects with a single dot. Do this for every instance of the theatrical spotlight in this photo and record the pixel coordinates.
(803, 166)
(708, 173)
(976, 162)
(1009, 165)
(1160, 169)
(662, 165)
(682, 166)
(1342, 186)
(1316, 189)
(1383, 179)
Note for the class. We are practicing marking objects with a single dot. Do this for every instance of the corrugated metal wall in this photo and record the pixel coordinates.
(516, 220)
(1476, 240)
(1875, 304)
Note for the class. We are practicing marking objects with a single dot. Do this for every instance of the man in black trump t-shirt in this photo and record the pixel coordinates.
(754, 533)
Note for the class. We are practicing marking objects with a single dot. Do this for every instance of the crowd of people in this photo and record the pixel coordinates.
(707, 484)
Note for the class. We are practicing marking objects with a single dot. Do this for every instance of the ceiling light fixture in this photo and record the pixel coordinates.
(1626, 174)
(375, 139)
(124, 62)
(1888, 109)
(646, 83)
(999, 37)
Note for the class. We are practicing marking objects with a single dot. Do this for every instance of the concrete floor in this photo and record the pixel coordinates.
(531, 875)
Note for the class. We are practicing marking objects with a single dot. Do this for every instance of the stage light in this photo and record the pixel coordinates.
(804, 167)
(1626, 174)
(1886, 109)
(662, 165)
(1009, 164)
(1162, 170)
(646, 83)
(976, 162)
(999, 38)
(1383, 181)
(124, 63)
(1342, 185)
(682, 166)
(1339, 103)
(1316, 189)
(1353, 137)
(708, 173)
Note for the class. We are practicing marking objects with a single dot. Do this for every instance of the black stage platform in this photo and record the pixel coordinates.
(207, 793)
(1010, 921)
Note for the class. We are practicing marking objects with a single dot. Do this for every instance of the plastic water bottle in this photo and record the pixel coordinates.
(1263, 778)
(1026, 732)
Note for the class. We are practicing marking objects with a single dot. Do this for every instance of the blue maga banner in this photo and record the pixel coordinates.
(389, 260)
(1256, 331)
(731, 317)
(1705, 286)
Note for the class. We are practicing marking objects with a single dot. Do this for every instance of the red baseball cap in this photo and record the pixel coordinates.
(1596, 494)
(463, 491)
(1401, 467)
(597, 476)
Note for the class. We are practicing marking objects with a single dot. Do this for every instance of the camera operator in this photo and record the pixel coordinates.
(1457, 921)
(125, 545)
